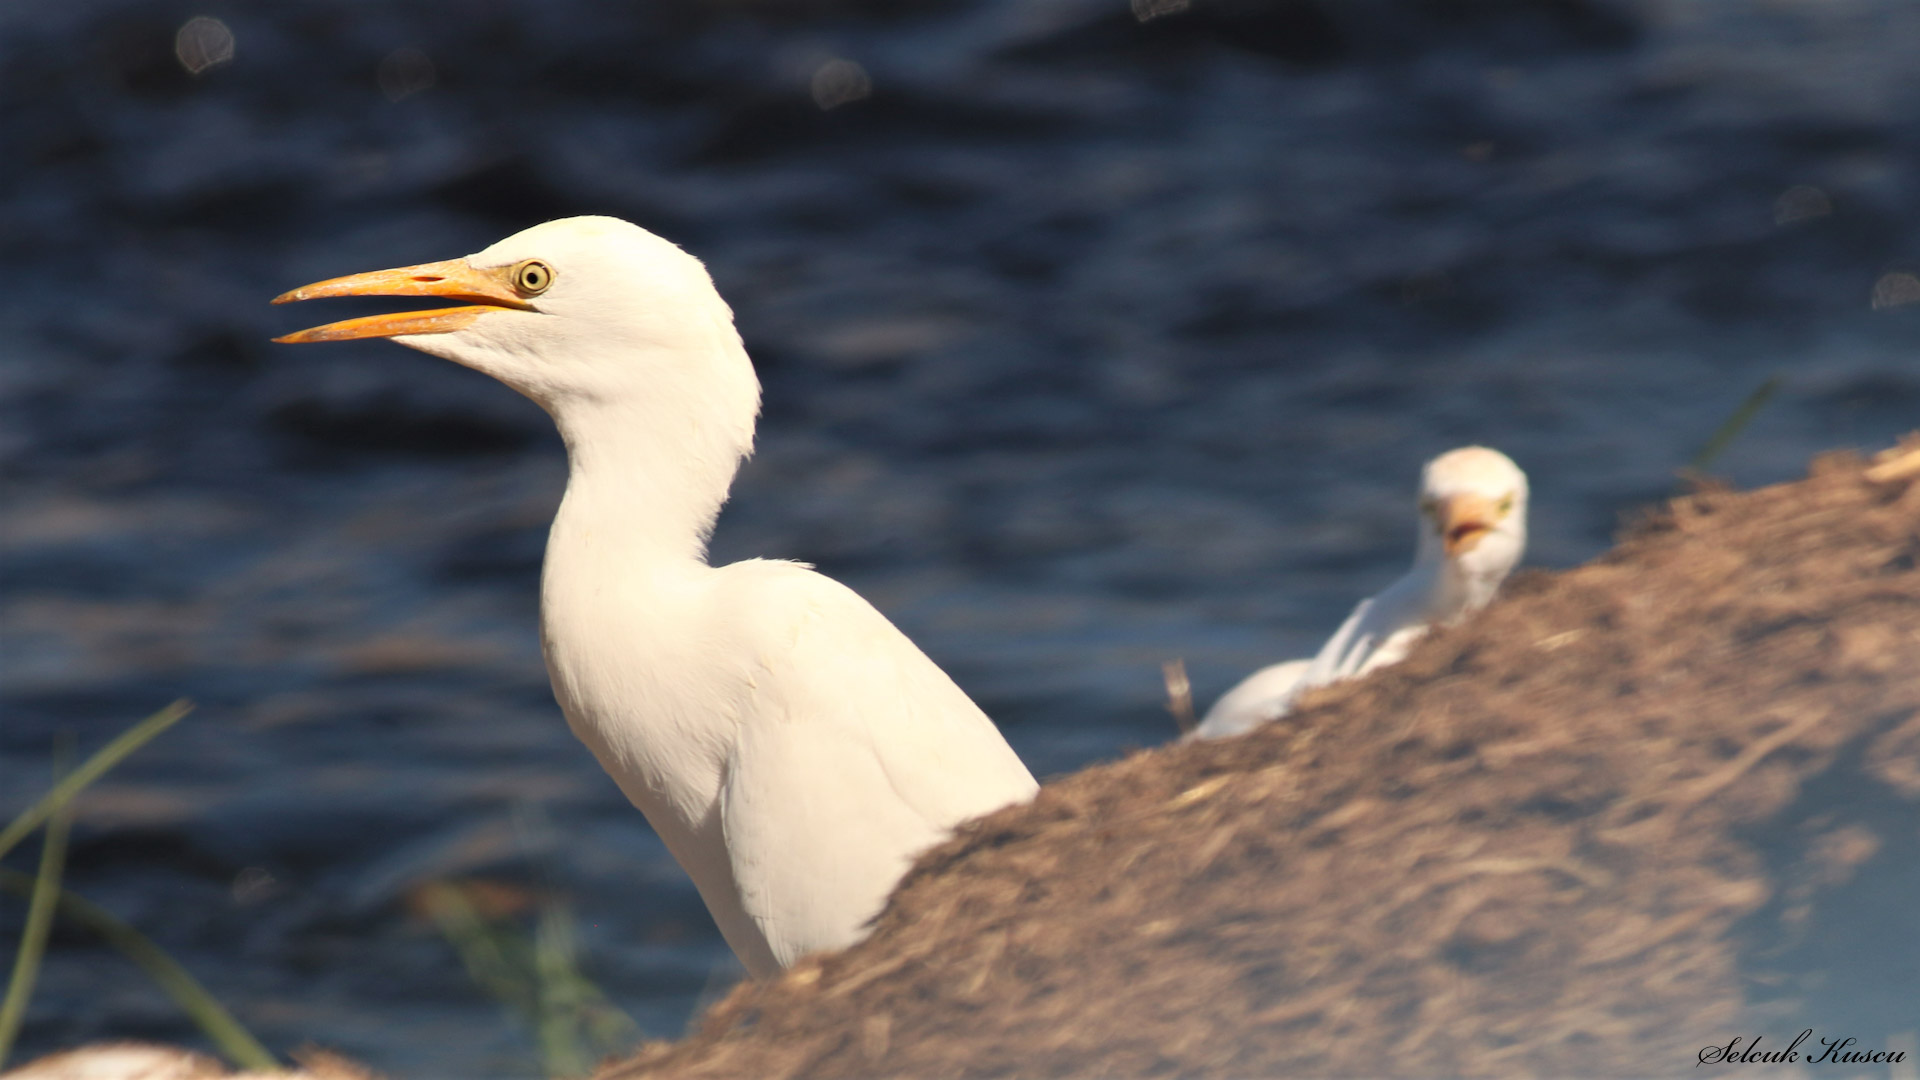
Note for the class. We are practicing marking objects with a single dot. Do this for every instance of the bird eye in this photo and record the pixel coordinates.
(1506, 505)
(1429, 507)
(532, 277)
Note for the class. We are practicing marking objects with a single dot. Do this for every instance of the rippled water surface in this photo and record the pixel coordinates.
(1087, 343)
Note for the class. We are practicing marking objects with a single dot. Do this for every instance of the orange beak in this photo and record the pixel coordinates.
(1464, 519)
(453, 279)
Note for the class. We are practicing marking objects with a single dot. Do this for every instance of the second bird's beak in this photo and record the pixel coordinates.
(454, 279)
(1464, 519)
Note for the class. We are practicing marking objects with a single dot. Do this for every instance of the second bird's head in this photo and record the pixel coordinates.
(1473, 511)
(571, 312)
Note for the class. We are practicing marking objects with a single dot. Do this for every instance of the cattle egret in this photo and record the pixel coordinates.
(792, 748)
(1473, 530)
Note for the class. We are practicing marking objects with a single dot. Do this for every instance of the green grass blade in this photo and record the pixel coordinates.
(557, 981)
(227, 1033)
(492, 957)
(1742, 416)
(93, 769)
(33, 939)
(538, 979)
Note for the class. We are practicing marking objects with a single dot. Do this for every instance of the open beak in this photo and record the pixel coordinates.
(1464, 519)
(485, 290)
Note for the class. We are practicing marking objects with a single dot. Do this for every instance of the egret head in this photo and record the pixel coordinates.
(1473, 512)
(571, 313)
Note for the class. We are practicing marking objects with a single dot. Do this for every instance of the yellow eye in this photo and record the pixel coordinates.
(1506, 506)
(1429, 507)
(532, 277)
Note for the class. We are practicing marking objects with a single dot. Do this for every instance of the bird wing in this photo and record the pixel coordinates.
(855, 753)
(1260, 697)
(1346, 650)
(1379, 632)
(1392, 648)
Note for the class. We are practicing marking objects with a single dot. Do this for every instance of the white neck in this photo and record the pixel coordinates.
(1448, 588)
(646, 481)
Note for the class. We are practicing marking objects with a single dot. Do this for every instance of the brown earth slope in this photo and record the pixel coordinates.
(1562, 839)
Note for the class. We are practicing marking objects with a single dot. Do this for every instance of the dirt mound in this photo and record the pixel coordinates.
(1542, 844)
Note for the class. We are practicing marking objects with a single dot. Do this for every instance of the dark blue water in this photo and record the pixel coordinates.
(1086, 343)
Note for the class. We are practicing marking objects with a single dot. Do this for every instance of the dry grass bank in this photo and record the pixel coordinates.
(1554, 841)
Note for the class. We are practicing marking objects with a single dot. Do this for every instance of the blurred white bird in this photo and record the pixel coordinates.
(151, 1061)
(792, 748)
(1473, 530)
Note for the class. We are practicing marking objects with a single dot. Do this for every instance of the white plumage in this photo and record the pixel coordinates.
(1473, 530)
(792, 748)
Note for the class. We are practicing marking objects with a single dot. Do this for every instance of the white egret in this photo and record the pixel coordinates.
(1473, 530)
(792, 748)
